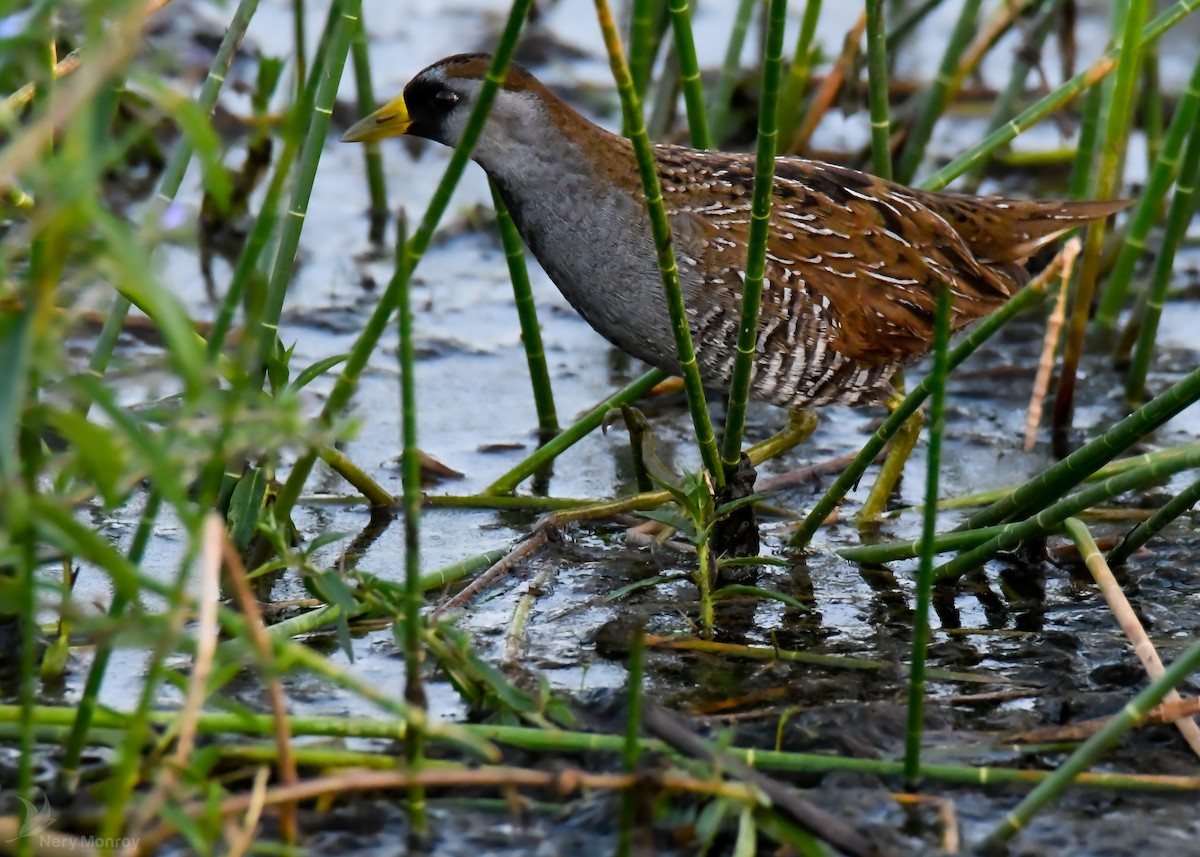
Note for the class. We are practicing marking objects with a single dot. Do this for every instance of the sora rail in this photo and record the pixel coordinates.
(853, 261)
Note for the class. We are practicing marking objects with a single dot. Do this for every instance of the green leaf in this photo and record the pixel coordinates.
(747, 836)
(331, 588)
(708, 825)
(638, 585)
(270, 70)
(734, 561)
(316, 370)
(96, 448)
(279, 365)
(199, 131)
(671, 519)
(738, 589)
(733, 505)
(16, 345)
(246, 506)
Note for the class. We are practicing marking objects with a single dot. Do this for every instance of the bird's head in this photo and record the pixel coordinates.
(437, 102)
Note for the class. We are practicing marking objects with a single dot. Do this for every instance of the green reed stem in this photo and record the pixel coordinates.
(1060, 96)
(904, 442)
(1183, 207)
(877, 93)
(643, 38)
(531, 331)
(537, 739)
(799, 72)
(340, 463)
(414, 655)
(940, 92)
(911, 20)
(631, 751)
(172, 176)
(689, 75)
(1149, 205)
(127, 766)
(1152, 526)
(985, 498)
(580, 429)
(718, 105)
(1108, 179)
(76, 740)
(344, 23)
(300, 41)
(1151, 111)
(1023, 63)
(661, 228)
(851, 475)
(1083, 165)
(942, 543)
(1092, 749)
(1056, 480)
(414, 249)
(760, 230)
(1053, 515)
(924, 594)
(372, 159)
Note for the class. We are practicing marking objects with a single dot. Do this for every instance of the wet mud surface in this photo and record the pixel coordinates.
(1035, 632)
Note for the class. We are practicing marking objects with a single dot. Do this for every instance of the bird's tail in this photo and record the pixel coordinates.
(1001, 231)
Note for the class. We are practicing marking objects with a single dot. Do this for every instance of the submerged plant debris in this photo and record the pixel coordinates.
(527, 679)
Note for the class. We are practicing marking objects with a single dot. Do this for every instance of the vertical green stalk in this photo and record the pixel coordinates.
(299, 38)
(1116, 135)
(415, 248)
(760, 230)
(345, 22)
(531, 331)
(414, 689)
(631, 750)
(799, 71)
(718, 105)
(373, 161)
(1023, 63)
(1183, 206)
(1145, 215)
(924, 595)
(689, 74)
(875, 444)
(906, 439)
(643, 31)
(877, 80)
(939, 93)
(1083, 168)
(1152, 111)
(127, 766)
(89, 698)
(1056, 99)
(662, 242)
(906, 25)
(1092, 749)
(172, 176)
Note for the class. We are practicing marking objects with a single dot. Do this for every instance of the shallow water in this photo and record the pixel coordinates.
(1041, 622)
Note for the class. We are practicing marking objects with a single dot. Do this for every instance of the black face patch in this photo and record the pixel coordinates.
(429, 102)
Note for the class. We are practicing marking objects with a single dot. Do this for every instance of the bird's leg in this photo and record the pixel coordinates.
(736, 535)
(893, 466)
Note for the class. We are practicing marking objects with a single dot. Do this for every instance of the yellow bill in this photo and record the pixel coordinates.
(390, 120)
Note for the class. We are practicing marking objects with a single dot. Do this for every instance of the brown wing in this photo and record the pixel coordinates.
(856, 258)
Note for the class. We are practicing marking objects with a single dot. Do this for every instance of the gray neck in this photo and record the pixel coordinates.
(589, 234)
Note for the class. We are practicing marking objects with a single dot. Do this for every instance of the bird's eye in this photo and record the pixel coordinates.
(445, 98)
